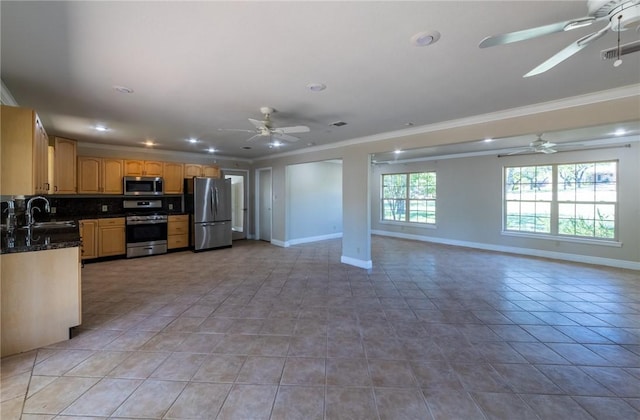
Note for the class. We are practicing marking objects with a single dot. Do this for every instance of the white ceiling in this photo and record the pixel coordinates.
(196, 67)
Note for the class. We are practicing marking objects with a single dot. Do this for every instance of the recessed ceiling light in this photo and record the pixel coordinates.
(276, 144)
(122, 89)
(211, 150)
(149, 143)
(316, 87)
(620, 132)
(425, 38)
(101, 128)
(488, 140)
(397, 151)
(192, 140)
(409, 124)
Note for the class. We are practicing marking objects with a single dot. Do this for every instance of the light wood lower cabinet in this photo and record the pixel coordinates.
(41, 298)
(111, 237)
(178, 231)
(89, 237)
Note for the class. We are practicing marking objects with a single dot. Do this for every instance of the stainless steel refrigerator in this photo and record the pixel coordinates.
(208, 202)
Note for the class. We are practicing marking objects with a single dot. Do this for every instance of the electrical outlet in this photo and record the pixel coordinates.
(53, 210)
(170, 206)
(105, 208)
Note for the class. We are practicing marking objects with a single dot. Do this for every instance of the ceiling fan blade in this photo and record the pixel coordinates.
(237, 129)
(525, 34)
(547, 144)
(255, 137)
(547, 150)
(567, 52)
(517, 152)
(284, 137)
(293, 130)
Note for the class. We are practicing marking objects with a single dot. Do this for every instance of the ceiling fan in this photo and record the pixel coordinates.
(537, 146)
(265, 128)
(619, 14)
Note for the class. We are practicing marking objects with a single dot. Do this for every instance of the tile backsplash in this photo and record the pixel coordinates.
(86, 207)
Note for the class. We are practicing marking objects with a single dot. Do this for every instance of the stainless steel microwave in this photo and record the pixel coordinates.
(143, 185)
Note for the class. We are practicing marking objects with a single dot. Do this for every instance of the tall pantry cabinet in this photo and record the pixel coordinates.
(22, 136)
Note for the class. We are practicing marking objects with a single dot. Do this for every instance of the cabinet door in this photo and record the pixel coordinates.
(211, 171)
(112, 170)
(89, 175)
(173, 177)
(133, 168)
(152, 168)
(64, 166)
(111, 237)
(89, 237)
(41, 159)
(191, 170)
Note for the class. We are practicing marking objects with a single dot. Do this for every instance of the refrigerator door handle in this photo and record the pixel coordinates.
(213, 205)
(217, 200)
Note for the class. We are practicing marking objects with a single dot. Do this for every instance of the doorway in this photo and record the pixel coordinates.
(239, 201)
(263, 201)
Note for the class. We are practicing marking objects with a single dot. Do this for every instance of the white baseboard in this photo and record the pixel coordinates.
(356, 263)
(279, 243)
(610, 262)
(314, 239)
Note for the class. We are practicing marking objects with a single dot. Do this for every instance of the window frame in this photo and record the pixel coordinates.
(554, 232)
(408, 201)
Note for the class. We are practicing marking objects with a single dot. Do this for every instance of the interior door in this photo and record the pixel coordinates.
(264, 205)
(239, 202)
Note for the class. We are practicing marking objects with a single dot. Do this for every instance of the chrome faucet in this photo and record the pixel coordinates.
(30, 210)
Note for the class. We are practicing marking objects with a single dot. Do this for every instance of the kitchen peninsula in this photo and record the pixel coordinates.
(41, 286)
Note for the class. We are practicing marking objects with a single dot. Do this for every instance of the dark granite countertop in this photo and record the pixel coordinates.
(28, 240)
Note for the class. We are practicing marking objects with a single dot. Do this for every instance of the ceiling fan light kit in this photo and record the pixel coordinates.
(620, 14)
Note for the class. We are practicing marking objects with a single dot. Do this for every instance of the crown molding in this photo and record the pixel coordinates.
(6, 97)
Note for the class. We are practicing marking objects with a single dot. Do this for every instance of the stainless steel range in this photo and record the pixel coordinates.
(146, 228)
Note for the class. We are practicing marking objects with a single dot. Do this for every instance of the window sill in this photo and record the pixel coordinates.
(409, 224)
(586, 241)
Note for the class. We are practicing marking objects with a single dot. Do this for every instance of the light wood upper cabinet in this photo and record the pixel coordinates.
(173, 177)
(153, 168)
(111, 237)
(133, 167)
(24, 152)
(89, 237)
(100, 175)
(211, 171)
(64, 165)
(192, 169)
(112, 173)
(142, 168)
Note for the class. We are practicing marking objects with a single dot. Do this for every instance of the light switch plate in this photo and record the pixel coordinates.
(105, 207)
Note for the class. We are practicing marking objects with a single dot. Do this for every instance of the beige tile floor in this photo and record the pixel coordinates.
(261, 332)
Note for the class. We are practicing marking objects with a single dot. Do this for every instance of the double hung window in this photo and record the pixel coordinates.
(575, 199)
(409, 197)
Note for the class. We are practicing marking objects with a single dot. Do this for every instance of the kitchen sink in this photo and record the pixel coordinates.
(62, 224)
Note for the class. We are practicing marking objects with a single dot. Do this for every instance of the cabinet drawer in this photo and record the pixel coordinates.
(181, 228)
(116, 221)
(179, 218)
(176, 241)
